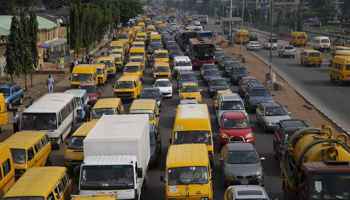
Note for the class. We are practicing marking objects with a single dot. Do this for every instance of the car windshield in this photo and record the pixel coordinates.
(78, 100)
(162, 84)
(136, 60)
(139, 46)
(240, 70)
(329, 185)
(189, 89)
(149, 112)
(187, 77)
(247, 81)
(136, 54)
(156, 46)
(235, 123)
(174, 47)
(89, 89)
(99, 112)
(212, 72)
(260, 92)
(81, 77)
(124, 85)
(273, 111)
(108, 63)
(187, 175)
(161, 69)
(161, 55)
(122, 36)
(18, 156)
(182, 63)
(218, 82)
(39, 121)
(241, 157)
(131, 68)
(149, 94)
(107, 177)
(226, 59)
(273, 40)
(254, 43)
(314, 54)
(117, 52)
(231, 64)
(188, 137)
(288, 47)
(324, 41)
(205, 67)
(76, 142)
(99, 71)
(5, 91)
(118, 47)
(231, 105)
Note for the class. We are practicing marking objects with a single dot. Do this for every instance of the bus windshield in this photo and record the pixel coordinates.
(18, 155)
(188, 175)
(82, 77)
(76, 142)
(39, 121)
(98, 113)
(189, 137)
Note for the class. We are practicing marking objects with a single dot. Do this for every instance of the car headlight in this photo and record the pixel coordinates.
(68, 160)
(230, 175)
(204, 198)
(199, 96)
(70, 155)
(181, 97)
(258, 174)
(249, 135)
(225, 136)
(92, 97)
(158, 103)
(169, 90)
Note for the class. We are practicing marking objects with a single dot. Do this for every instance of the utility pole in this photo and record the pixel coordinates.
(336, 10)
(67, 23)
(271, 23)
(240, 48)
(230, 34)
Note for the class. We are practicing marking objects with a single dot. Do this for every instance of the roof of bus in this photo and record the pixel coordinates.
(136, 57)
(137, 49)
(161, 64)
(107, 103)
(244, 31)
(189, 84)
(100, 65)
(150, 27)
(37, 181)
(84, 69)
(117, 50)
(160, 51)
(192, 111)
(143, 104)
(141, 33)
(341, 47)
(138, 42)
(115, 55)
(182, 58)
(50, 103)
(182, 155)
(24, 140)
(186, 31)
(5, 150)
(345, 59)
(128, 78)
(133, 64)
(84, 129)
(196, 41)
(76, 92)
(311, 50)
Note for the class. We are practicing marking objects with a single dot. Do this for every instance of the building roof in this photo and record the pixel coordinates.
(5, 24)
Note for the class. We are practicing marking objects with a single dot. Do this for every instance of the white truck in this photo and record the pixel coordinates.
(116, 157)
(267, 43)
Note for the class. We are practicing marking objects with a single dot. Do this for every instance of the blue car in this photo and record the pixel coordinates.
(186, 76)
(257, 93)
(13, 94)
(82, 99)
(216, 84)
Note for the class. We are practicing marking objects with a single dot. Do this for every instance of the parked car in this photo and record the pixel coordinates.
(209, 74)
(165, 86)
(216, 84)
(13, 94)
(285, 129)
(223, 60)
(253, 36)
(243, 84)
(234, 126)
(205, 67)
(253, 45)
(155, 144)
(247, 192)
(257, 93)
(269, 114)
(94, 93)
(286, 51)
(153, 93)
(237, 72)
(228, 67)
(240, 164)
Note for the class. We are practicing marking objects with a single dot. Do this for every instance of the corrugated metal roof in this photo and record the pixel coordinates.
(5, 24)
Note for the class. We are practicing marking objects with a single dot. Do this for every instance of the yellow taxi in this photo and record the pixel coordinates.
(133, 68)
(140, 59)
(101, 73)
(336, 48)
(161, 56)
(311, 57)
(161, 70)
(190, 90)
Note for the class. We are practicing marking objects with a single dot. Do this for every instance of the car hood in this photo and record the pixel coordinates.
(221, 87)
(165, 89)
(222, 111)
(157, 98)
(240, 75)
(275, 119)
(262, 98)
(212, 76)
(236, 132)
(180, 82)
(92, 94)
(243, 169)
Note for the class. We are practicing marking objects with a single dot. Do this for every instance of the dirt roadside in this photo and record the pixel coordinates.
(288, 97)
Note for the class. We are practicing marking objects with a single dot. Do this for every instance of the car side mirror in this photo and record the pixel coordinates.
(289, 113)
(262, 158)
(178, 90)
(67, 143)
(99, 91)
(69, 78)
(152, 85)
(221, 159)
(217, 107)
(170, 140)
(162, 179)
(139, 173)
(200, 90)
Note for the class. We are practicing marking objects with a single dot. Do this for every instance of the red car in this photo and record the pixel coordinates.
(93, 92)
(243, 84)
(234, 126)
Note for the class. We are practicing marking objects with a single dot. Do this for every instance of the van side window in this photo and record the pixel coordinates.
(44, 140)
(6, 167)
(339, 66)
(120, 106)
(64, 180)
(30, 153)
(58, 190)
(38, 147)
(135, 84)
(50, 197)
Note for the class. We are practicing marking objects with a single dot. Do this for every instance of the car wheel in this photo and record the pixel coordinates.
(293, 56)
(331, 79)
(276, 155)
(21, 101)
(319, 65)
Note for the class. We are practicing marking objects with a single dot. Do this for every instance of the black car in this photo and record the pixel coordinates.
(153, 93)
(170, 43)
(253, 36)
(224, 60)
(237, 73)
(155, 144)
(209, 74)
(205, 67)
(216, 84)
(218, 55)
(228, 67)
(217, 22)
(156, 46)
(285, 129)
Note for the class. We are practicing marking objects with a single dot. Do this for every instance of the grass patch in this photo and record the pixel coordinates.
(329, 28)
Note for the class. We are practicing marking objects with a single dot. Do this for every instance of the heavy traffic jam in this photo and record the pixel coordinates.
(115, 149)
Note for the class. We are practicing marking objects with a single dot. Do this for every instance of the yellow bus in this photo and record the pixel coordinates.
(46, 183)
(244, 36)
(161, 56)
(188, 173)
(7, 171)
(83, 73)
(339, 71)
(106, 106)
(146, 106)
(101, 73)
(297, 39)
(3, 111)
(128, 87)
(74, 155)
(192, 125)
(110, 64)
(161, 70)
(29, 149)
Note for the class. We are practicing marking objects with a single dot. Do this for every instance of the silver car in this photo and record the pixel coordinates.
(253, 45)
(240, 164)
(286, 51)
(269, 114)
(245, 192)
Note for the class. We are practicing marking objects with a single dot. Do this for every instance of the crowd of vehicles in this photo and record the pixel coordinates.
(110, 156)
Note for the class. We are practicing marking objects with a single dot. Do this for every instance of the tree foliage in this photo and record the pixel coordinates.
(26, 60)
(33, 34)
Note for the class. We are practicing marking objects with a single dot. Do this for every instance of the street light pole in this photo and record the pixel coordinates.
(240, 48)
(271, 23)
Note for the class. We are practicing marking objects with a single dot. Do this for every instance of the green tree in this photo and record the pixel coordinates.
(75, 27)
(246, 15)
(240, 12)
(288, 15)
(86, 28)
(300, 23)
(268, 18)
(319, 3)
(346, 8)
(33, 37)
(26, 59)
(279, 15)
(235, 14)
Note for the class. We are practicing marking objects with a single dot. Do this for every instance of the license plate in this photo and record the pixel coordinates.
(244, 182)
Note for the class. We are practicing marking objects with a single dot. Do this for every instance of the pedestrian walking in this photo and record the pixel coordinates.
(87, 57)
(61, 63)
(16, 122)
(50, 82)
(87, 109)
(215, 35)
(71, 67)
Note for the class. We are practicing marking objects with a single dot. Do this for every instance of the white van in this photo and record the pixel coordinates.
(181, 63)
(322, 43)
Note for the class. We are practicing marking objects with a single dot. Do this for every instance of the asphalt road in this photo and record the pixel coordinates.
(312, 82)
(263, 142)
